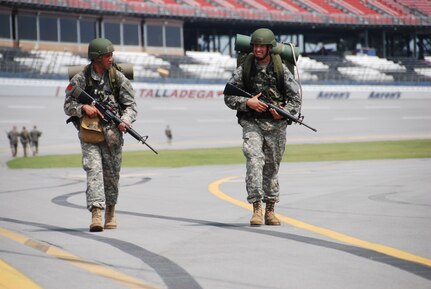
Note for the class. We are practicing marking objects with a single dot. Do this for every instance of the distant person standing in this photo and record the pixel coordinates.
(13, 141)
(168, 134)
(34, 136)
(25, 139)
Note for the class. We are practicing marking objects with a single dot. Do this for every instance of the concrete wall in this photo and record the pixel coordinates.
(37, 87)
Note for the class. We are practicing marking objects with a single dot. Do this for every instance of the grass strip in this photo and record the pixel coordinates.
(233, 155)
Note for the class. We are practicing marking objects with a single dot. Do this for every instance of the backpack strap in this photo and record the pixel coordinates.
(279, 72)
(240, 58)
(113, 80)
(247, 66)
(87, 75)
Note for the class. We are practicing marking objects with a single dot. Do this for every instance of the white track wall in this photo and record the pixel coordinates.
(37, 87)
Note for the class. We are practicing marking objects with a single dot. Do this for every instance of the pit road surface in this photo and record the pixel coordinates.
(360, 224)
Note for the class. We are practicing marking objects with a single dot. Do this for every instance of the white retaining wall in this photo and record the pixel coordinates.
(56, 88)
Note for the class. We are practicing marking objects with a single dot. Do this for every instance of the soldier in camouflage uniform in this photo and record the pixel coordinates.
(24, 137)
(13, 136)
(264, 131)
(102, 161)
(35, 134)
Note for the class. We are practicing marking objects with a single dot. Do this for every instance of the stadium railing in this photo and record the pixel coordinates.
(417, 16)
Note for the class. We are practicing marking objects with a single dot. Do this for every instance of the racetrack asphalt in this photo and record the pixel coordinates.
(359, 224)
(355, 224)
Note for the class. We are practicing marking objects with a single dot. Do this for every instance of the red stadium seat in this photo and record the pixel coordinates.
(203, 3)
(354, 7)
(236, 4)
(106, 5)
(282, 16)
(78, 4)
(323, 7)
(259, 4)
(316, 11)
(177, 9)
(141, 7)
(215, 12)
(286, 5)
(422, 6)
(386, 12)
(313, 18)
(388, 6)
(368, 14)
(171, 2)
(224, 4)
(251, 14)
(208, 8)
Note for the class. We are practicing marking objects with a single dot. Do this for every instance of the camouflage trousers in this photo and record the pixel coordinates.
(264, 143)
(102, 164)
(24, 148)
(14, 149)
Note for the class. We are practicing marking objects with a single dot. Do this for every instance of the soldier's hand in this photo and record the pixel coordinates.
(255, 104)
(123, 125)
(275, 114)
(91, 111)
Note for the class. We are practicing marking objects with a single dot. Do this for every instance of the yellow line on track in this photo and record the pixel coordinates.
(214, 188)
(123, 279)
(13, 279)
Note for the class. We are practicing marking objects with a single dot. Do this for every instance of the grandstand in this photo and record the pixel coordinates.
(341, 41)
(214, 67)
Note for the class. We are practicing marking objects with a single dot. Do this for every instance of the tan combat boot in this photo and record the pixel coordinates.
(257, 218)
(96, 220)
(270, 218)
(110, 221)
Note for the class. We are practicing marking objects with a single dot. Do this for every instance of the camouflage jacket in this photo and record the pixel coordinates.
(24, 136)
(35, 135)
(123, 104)
(265, 81)
(13, 136)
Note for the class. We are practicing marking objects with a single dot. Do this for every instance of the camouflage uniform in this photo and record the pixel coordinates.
(102, 161)
(25, 140)
(264, 138)
(34, 136)
(13, 141)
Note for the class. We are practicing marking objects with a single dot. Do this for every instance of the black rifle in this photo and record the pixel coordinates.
(108, 115)
(231, 89)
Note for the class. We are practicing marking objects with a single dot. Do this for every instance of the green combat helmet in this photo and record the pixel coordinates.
(263, 36)
(99, 46)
